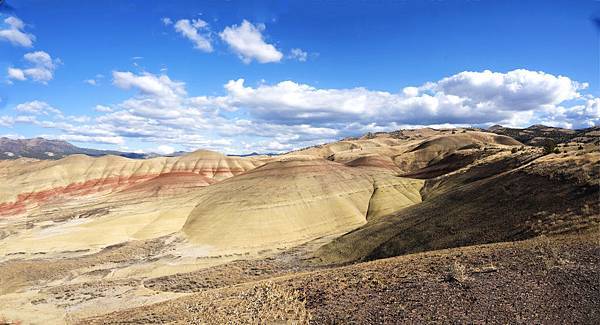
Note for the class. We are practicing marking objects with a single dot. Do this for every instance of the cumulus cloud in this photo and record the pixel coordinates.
(289, 115)
(518, 89)
(6, 121)
(37, 107)
(164, 149)
(103, 109)
(149, 84)
(40, 68)
(16, 74)
(467, 97)
(162, 113)
(247, 41)
(298, 54)
(14, 32)
(195, 30)
(94, 81)
(88, 139)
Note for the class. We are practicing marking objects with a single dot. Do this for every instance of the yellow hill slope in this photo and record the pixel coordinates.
(290, 201)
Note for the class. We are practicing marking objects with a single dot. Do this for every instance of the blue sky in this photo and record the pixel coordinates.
(242, 76)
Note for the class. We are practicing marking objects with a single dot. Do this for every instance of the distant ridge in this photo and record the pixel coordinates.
(255, 154)
(40, 148)
(537, 135)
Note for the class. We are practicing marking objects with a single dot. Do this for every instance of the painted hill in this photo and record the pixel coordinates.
(291, 201)
(386, 227)
(502, 197)
(30, 184)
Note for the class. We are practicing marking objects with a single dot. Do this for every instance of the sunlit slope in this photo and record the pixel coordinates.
(504, 197)
(405, 151)
(435, 149)
(219, 201)
(91, 223)
(292, 200)
(83, 203)
(29, 184)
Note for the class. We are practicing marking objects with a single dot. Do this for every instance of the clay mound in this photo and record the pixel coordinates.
(290, 201)
(486, 203)
(347, 150)
(283, 201)
(434, 150)
(374, 161)
(409, 150)
(327, 150)
(36, 182)
(212, 164)
(393, 194)
(455, 141)
(450, 163)
(276, 205)
(169, 184)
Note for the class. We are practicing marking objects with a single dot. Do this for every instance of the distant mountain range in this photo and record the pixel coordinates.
(40, 148)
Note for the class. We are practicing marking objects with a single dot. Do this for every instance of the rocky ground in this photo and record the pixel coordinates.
(544, 280)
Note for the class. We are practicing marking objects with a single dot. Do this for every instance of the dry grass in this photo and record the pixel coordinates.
(501, 283)
(550, 254)
(457, 272)
(270, 303)
(259, 303)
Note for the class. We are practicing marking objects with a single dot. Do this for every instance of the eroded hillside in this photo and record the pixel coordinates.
(211, 238)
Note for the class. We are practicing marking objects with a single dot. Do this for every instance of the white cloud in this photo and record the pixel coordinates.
(15, 33)
(165, 150)
(41, 68)
(149, 84)
(468, 97)
(88, 139)
(199, 23)
(518, 89)
(195, 31)
(38, 108)
(25, 119)
(410, 91)
(289, 115)
(247, 41)
(167, 21)
(94, 81)
(6, 121)
(79, 118)
(298, 54)
(16, 74)
(103, 109)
